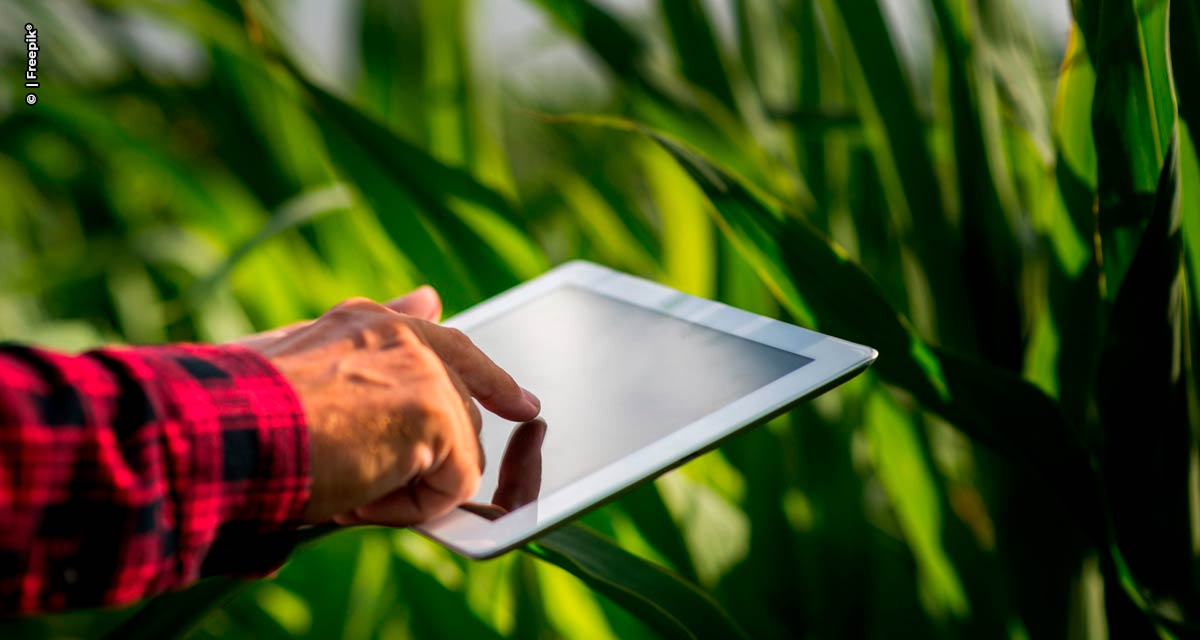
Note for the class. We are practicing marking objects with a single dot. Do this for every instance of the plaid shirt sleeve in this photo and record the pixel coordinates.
(126, 472)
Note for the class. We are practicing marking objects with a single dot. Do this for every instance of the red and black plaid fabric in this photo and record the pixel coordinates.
(127, 472)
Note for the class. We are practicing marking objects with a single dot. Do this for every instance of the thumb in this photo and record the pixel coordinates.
(422, 302)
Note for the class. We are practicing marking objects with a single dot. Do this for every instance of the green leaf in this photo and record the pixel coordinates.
(423, 203)
(1142, 397)
(818, 87)
(437, 611)
(664, 600)
(1185, 54)
(1133, 115)
(895, 134)
(688, 237)
(697, 49)
(445, 221)
(987, 208)
(390, 32)
(906, 474)
(671, 104)
(1069, 223)
(619, 48)
(805, 271)
(645, 506)
(301, 209)
(173, 615)
(991, 405)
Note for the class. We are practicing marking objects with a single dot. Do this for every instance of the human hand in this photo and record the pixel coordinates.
(388, 397)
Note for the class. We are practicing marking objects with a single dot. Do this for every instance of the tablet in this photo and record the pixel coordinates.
(635, 378)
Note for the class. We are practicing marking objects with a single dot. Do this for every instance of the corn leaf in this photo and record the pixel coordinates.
(1141, 369)
(619, 48)
(1133, 116)
(415, 197)
(671, 605)
(804, 270)
(697, 49)
(173, 615)
(984, 187)
(895, 132)
(1185, 54)
(1074, 283)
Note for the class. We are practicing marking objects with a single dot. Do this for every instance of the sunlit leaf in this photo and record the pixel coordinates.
(668, 603)
(1133, 117)
(804, 270)
(415, 198)
(904, 471)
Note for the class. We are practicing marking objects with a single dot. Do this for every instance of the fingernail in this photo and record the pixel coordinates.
(532, 399)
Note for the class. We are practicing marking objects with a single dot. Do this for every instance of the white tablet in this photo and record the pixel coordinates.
(634, 378)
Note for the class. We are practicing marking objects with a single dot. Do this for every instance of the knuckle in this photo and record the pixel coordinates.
(403, 333)
(457, 336)
(430, 411)
(337, 314)
(358, 302)
(352, 309)
(377, 334)
(426, 363)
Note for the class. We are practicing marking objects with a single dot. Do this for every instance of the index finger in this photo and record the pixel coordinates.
(487, 382)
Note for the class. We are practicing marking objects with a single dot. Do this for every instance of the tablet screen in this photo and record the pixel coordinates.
(613, 378)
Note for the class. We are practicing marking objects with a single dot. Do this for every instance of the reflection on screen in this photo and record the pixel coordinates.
(612, 377)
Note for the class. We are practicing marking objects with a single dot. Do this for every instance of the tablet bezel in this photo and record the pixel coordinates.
(834, 361)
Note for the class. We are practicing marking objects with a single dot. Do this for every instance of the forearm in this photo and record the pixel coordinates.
(127, 472)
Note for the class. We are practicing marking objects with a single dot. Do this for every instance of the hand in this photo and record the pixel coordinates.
(422, 302)
(388, 396)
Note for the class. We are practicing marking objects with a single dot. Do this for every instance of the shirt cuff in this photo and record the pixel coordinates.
(237, 442)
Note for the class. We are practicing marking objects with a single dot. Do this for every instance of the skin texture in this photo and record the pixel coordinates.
(394, 432)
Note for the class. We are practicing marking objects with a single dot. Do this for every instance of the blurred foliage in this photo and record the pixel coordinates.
(1014, 223)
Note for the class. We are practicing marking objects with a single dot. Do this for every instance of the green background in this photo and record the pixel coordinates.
(1012, 220)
